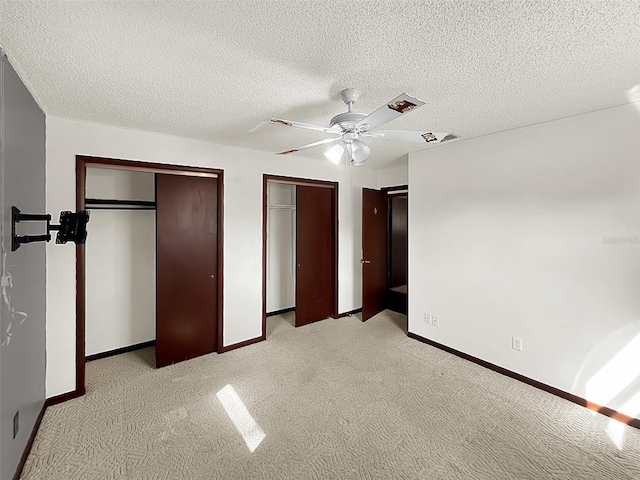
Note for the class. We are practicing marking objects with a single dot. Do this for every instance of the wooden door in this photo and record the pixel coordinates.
(186, 267)
(314, 251)
(374, 251)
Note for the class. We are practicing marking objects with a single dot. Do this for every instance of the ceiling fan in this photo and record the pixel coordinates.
(350, 127)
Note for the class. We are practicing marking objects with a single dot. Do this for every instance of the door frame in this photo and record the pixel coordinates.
(395, 191)
(82, 162)
(266, 178)
(391, 191)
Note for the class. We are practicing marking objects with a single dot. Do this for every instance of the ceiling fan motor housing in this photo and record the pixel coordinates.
(347, 121)
(349, 137)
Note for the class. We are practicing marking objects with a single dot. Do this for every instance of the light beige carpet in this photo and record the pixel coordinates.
(339, 399)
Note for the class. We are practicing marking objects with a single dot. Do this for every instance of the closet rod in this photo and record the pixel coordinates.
(104, 204)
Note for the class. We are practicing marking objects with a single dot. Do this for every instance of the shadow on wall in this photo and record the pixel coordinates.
(610, 375)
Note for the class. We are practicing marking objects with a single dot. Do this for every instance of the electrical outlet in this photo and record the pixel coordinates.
(16, 424)
(435, 320)
(516, 343)
(427, 318)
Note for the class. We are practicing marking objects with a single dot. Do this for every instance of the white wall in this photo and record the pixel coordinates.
(112, 184)
(394, 175)
(507, 238)
(281, 246)
(243, 177)
(120, 263)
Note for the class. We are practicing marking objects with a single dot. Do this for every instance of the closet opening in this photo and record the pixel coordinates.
(398, 235)
(151, 273)
(299, 250)
(120, 262)
(384, 250)
(281, 250)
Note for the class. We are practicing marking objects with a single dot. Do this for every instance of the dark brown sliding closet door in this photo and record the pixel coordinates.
(314, 247)
(186, 276)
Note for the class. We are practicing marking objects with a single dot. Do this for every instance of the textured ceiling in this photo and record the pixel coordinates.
(214, 70)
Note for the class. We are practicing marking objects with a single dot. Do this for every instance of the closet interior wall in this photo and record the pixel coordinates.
(281, 246)
(398, 240)
(396, 296)
(120, 261)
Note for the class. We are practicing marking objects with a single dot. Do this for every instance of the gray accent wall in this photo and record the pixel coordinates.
(22, 359)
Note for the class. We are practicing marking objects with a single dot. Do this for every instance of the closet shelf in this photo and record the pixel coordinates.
(107, 204)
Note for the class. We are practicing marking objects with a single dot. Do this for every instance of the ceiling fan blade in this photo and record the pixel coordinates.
(395, 108)
(405, 136)
(289, 123)
(310, 145)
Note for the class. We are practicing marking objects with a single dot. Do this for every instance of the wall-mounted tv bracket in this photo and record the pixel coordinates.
(72, 228)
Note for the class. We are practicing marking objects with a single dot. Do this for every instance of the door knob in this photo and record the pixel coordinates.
(365, 261)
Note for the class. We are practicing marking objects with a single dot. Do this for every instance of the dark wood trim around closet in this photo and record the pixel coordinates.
(334, 248)
(220, 259)
(81, 178)
(280, 312)
(118, 351)
(609, 412)
(242, 344)
(81, 186)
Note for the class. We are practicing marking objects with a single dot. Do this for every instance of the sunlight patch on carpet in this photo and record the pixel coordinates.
(241, 418)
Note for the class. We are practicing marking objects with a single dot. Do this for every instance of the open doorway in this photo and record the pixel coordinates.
(120, 261)
(300, 250)
(398, 264)
(281, 250)
(158, 234)
(384, 250)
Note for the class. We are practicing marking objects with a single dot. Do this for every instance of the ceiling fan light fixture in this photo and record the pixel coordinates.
(334, 154)
(359, 152)
(348, 126)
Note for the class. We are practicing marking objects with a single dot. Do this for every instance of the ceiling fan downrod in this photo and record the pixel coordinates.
(350, 96)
